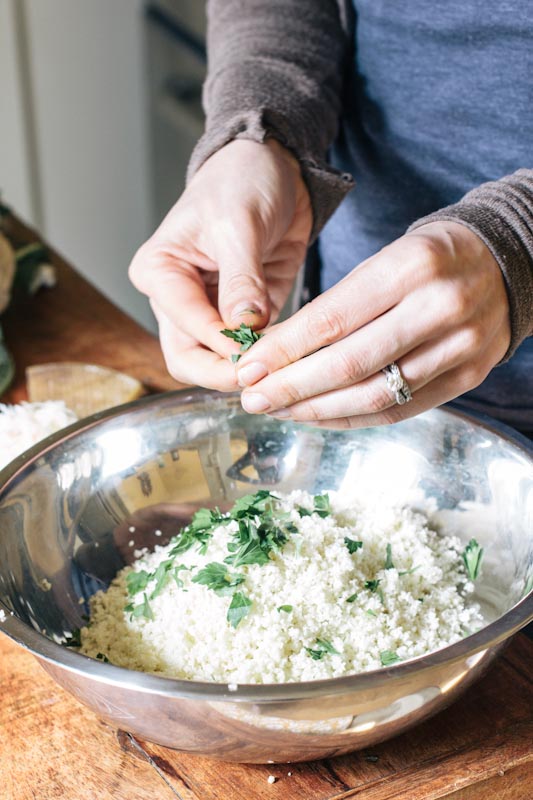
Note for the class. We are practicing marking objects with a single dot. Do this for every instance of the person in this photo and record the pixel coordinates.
(426, 265)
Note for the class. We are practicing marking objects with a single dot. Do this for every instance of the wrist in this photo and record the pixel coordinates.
(457, 240)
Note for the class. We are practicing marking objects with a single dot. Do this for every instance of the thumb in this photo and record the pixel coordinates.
(242, 289)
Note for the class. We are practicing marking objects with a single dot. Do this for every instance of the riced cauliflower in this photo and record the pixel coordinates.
(25, 424)
(286, 588)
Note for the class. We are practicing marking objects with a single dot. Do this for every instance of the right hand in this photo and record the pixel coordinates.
(226, 253)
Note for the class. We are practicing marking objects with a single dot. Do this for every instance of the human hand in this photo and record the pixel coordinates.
(226, 253)
(434, 301)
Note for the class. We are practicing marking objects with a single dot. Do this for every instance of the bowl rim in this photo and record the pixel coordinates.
(47, 650)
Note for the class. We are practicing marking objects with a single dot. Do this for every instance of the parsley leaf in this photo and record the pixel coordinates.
(388, 658)
(250, 553)
(303, 511)
(287, 609)
(239, 608)
(182, 542)
(218, 578)
(252, 505)
(142, 610)
(261, 529)
(160, 576)
(102, 657)
(472, 556)
(388, 558)
(324, 647)
(322, 505)
(408, 571)
(137, 581)
(373, 586)
(243, 335)
(352, 544)
(352, 598)
(198, 531)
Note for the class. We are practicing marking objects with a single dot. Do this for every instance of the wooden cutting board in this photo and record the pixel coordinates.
(52, 747)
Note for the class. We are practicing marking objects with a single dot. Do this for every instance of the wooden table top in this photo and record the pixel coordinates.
(481, 748)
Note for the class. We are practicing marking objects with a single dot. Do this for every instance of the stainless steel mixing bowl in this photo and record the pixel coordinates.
(70, 508)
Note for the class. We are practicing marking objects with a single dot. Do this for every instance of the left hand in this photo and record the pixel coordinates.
(434, 301)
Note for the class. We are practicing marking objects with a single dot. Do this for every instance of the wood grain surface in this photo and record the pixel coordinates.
(481, 748)
(74, 322)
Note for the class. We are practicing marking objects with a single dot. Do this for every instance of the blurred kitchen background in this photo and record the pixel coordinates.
(100, 107)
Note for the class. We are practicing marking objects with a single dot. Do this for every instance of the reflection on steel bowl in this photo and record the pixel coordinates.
(71, 507)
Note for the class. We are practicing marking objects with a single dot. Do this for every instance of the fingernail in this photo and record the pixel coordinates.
(251, 373)
(283, 413)
(241, 309)
(254, 403)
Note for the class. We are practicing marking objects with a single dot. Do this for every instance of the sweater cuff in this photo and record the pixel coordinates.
(508, 247)
(326, 186)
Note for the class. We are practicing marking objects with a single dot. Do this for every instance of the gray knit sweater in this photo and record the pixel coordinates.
(277, 68)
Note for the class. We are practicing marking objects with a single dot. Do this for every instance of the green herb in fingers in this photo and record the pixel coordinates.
(243, 335)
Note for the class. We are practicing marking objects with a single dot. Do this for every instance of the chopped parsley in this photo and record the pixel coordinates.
(243, 335)
(321, 506)
(252, 505)
(352, 598)
(161, 576)
(175, 572)
(238, 609)
(408, 571)
(389, 564)
(198, 531)
(323, 647)
(352, 544)
(218, 578)
(388, 658)
(374, 586)
(262, 528)
(137, 581)
(472, 556)
(287, 609)
(102, 657)
(143, 609)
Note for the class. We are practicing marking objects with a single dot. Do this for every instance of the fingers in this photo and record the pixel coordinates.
(242, 291)
(191, 363)
(349, 362)
(443, 389)
(358, 299)
(419, 368)
(177, 289)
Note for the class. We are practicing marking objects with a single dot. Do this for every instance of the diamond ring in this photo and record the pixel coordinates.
(397, 383)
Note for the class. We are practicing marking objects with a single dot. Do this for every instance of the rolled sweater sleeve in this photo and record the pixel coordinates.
(275, 70)
(501, 214)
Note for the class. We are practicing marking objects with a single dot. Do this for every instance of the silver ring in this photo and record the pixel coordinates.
(397, 383)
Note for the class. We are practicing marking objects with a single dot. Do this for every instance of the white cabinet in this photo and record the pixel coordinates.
(17, 178)
(74, 154)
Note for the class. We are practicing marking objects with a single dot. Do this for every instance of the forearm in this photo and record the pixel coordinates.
(501, 214)
(275, 70)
